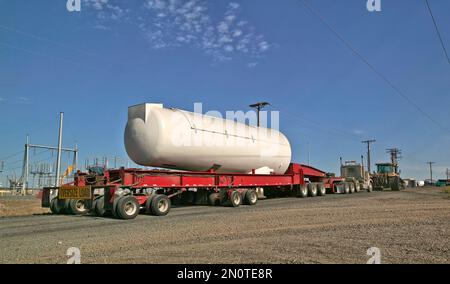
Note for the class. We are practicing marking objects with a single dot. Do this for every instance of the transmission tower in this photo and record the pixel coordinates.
(395, 156)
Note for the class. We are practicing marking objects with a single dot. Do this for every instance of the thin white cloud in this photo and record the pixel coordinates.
(178, 23)
(106, 9)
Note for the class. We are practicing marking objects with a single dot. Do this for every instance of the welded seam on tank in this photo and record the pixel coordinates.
(195, 128)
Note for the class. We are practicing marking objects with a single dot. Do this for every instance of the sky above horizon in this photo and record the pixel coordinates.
(93, 64)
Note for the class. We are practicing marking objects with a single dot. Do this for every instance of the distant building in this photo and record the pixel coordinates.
(409, 182)
(443, 182)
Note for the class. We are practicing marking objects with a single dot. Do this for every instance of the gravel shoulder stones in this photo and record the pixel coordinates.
(411, 226)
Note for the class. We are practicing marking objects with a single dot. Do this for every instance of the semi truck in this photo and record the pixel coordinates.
(197, 159)
(355, 175)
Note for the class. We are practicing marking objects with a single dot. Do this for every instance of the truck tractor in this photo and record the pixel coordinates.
(355, 174)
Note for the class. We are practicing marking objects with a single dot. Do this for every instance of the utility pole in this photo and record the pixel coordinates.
(368, 152)
(2, 166)
(395, 156)
(431, 171)
(309, 154)
(448, 173)
(58, 159)
(258, 107)
(26, 167)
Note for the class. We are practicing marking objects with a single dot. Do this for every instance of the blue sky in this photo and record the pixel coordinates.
(95, 63)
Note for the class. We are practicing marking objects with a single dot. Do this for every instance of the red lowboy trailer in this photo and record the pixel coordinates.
(123, 193)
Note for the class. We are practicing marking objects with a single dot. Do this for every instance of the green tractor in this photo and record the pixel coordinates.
(387, 177)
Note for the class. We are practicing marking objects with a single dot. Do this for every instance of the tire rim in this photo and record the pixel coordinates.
(163, 205)
(304, 191)
(79, 205)
(236, 198)
(130, 208)
(253, 197)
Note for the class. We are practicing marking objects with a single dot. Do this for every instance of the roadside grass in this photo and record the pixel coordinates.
(446, 191)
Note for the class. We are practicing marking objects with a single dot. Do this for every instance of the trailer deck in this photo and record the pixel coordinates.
(124, 193)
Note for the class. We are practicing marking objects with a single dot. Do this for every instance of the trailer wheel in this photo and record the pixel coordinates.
(312, 189)
(302, 191)
(251, 197)
(321, 190)
(77, 207)
(160, 205)
(56, 206)
(235, 199)
(351, 187)
(114, 206)
(148, 204)
(99, 206)
(127, 207)
(214, 199)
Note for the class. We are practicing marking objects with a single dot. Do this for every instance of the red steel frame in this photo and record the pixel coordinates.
(179, 181)
(138, 178)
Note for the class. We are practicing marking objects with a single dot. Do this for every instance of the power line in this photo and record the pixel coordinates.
(39, 54)
(378, 73)
(437, 31)
(14, 162)
(11, 156)
(326, 128)
(65, 46)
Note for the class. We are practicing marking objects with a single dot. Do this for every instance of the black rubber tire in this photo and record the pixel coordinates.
(321, 190)
(351, 187)
(214, 199)
(56, 206)
(346, 188)
(77, 207)
(114, 206)
(188, 198)
(94, 203)
(160, 205)
(99, 204)
(395, 184)
(251, 197)
(302, 191)
(357, 186)
(235, 199)
(127, 207)
(148, 204)
(312, 189)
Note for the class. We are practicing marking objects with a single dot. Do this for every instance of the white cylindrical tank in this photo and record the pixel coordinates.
(176, 139)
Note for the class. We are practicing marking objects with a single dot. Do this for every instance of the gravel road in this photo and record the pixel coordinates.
(411, 226)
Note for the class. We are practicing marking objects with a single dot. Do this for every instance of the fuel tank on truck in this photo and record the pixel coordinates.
(177, 139)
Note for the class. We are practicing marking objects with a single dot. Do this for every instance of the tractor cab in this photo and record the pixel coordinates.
(386, 168)
(351, 169)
